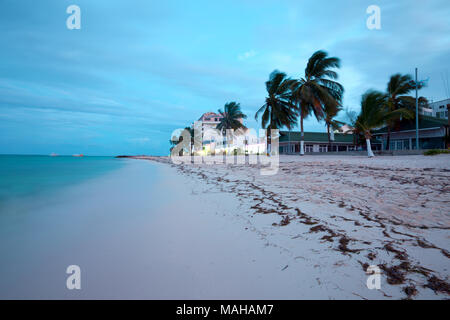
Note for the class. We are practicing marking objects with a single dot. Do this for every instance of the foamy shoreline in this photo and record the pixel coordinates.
(342, 214)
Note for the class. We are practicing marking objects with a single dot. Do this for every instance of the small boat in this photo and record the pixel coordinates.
(77, 155)
(53, 154)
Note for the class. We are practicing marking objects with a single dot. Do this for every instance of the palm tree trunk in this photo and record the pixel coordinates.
(269, 142)
(388, 140)
(369, 148)
(289, 144)
(224, 143)
(302, 135)
(329, 137)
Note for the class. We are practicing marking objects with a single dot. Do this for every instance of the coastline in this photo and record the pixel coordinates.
(155, 230)
(143, 232)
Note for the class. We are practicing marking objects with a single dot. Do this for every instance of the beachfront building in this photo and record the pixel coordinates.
(438, 109)
(318, 142)
(243, 142)
(209, 120)
(433, 133)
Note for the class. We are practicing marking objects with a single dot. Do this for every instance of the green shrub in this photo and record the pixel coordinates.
(433, 152)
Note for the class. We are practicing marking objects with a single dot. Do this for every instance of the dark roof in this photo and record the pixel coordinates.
(315, 137)
(209, 115)
(425, 122)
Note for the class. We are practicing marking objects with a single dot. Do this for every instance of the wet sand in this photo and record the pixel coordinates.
(141, 232)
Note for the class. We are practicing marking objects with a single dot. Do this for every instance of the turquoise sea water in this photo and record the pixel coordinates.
(22, 176)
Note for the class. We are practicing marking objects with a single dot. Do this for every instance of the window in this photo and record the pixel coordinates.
(309, 148)
(391, 145)
(323, 148)
(406, 144)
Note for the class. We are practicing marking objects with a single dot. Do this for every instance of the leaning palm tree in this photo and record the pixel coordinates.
(375, 113)
(330, 122)
(176, 139)
(317, 89)
(231, 119)
(174, 142)
(398, 89)
(278, 110)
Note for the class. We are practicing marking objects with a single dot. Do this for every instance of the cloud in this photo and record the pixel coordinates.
(247, 55)
(141, 140)
(144, 69)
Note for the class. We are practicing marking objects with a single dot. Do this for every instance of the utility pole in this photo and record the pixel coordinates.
(289, 144)
(417, 113)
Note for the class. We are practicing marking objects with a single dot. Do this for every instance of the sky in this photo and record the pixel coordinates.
(138, 70)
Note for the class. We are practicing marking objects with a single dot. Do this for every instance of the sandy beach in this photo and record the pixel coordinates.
(155, 230)
(331, 217)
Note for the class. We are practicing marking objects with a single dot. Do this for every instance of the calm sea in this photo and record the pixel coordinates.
(23, 176)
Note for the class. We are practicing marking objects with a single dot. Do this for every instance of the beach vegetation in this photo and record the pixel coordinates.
(278, 110)
(232, 117)
(374, 114)
(398, 89)
(318, 91)
(434, 152)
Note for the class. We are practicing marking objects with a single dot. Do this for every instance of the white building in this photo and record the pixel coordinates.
(242, 142)
(438, 109)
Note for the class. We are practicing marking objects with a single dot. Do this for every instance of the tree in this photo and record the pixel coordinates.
(375, 113)
(278, 110)
(231, 119)
(330, 122)
(317, 89)
(175, 140)
(398, 88)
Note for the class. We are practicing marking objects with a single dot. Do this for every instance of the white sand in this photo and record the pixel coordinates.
(392, 210)
(142, 232)
(148, 232)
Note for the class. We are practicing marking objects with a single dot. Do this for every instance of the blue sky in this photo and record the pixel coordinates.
(137, 70)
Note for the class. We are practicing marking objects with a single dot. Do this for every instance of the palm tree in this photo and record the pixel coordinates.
(173, 142)
(398, 88)
(317, 89)
(330, 121)
(179, 139)
(232, 119)
(375, 113)
(351, 117)
(278, 110)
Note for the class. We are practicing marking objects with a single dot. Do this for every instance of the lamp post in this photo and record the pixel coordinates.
(417, 113)
(289, 139)
(418, 85)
